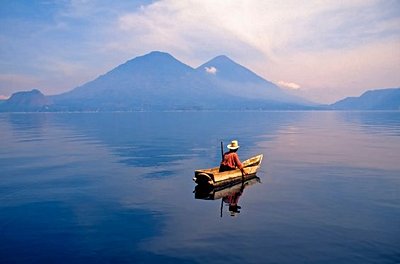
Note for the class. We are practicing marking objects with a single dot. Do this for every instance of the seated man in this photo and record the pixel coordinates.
(231, 159)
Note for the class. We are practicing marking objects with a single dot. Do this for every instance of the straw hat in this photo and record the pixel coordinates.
(234, 145)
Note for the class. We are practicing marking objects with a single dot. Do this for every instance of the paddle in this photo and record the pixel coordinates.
(222, 154)
(222, 204)
(222, 150)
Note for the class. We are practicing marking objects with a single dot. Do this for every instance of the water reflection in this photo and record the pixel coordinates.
(380, 122)
(27, 127)
(158, 139)
(116, 187)
(229, 195)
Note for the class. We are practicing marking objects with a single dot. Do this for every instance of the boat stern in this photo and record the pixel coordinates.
(202, 178)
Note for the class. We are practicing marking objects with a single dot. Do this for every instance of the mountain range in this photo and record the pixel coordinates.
(157, 81)
(383, 99)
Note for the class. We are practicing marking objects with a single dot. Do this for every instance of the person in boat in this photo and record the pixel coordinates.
(231, 159)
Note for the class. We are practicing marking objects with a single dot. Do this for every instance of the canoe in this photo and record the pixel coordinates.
(212, 177)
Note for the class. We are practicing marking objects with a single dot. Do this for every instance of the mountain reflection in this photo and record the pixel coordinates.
(229, 195)
(152, 139)
(374, 122)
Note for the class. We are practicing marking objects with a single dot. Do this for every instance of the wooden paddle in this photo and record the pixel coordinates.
(222, 150)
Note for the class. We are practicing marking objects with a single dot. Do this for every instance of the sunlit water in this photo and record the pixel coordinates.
(117, 188)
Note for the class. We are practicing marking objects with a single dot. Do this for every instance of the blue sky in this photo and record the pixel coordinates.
(323, 50)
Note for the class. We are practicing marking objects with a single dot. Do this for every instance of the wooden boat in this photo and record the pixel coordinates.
(212, 177)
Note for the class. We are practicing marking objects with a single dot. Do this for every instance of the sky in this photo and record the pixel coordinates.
(322, 50)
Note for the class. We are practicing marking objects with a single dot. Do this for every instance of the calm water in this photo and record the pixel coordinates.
(117, 188)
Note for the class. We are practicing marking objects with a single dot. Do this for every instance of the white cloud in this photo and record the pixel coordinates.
(289, 85)
(271, 28)
(211, 70)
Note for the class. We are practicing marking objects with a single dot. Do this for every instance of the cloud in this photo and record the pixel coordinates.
(3, 97)
(211, 70)
(289, 85)
(269, 28)
(317, 43)
(330, 75)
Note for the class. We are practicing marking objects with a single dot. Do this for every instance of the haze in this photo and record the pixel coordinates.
(322, 50)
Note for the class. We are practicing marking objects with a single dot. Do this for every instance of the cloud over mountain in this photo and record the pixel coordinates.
(289, 85)
(211, 70)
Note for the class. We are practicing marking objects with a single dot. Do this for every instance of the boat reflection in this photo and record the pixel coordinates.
(229, 195)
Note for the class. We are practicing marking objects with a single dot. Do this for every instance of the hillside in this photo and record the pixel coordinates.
(383, 99)
(29, 101)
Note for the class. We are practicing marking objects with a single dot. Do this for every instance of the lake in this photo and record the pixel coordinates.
(117, 188)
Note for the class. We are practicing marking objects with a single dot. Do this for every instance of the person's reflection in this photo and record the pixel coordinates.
(232, 200)
(229, 195)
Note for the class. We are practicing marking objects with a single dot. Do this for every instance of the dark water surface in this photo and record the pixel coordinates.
(117, 188)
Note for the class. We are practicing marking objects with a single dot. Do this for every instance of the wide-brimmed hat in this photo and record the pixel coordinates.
(234, 145)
